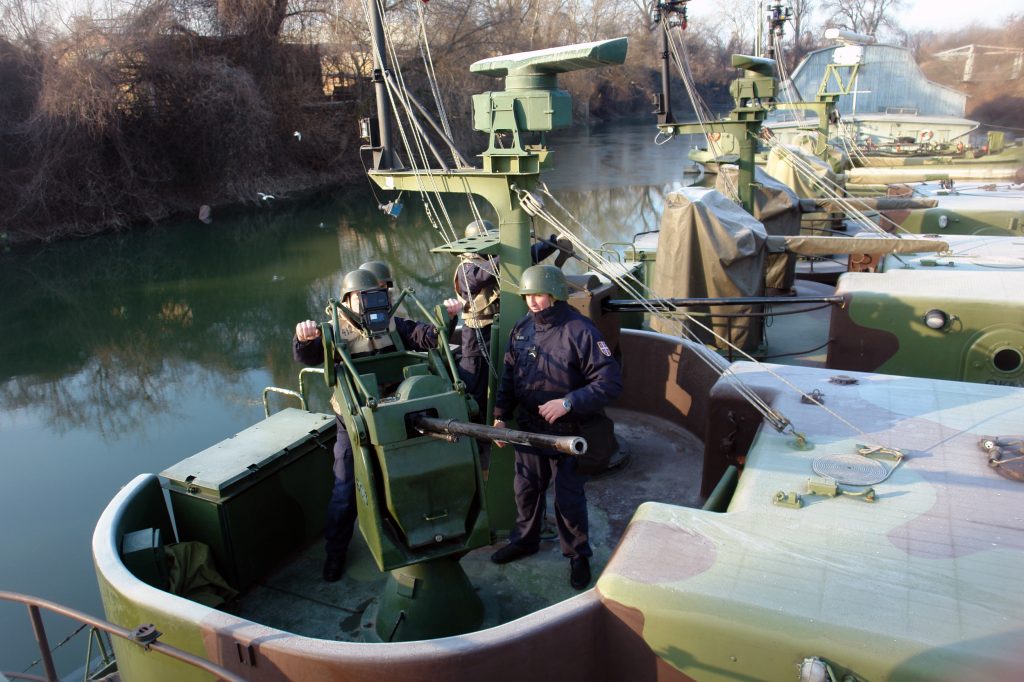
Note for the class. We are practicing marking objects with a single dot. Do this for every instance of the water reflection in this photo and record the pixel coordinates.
(123, 354)
(110, 321)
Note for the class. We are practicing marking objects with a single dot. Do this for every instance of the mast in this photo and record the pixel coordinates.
(673, 14)
(759, 39)
(384, 158)
(664, 110)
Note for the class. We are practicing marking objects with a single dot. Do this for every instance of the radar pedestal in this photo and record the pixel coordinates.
(754, 94)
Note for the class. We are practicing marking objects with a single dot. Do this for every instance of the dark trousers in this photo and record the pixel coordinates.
(533, 475)
(473, 372)
(341, 509)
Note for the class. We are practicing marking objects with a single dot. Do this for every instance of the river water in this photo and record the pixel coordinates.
(123, 354)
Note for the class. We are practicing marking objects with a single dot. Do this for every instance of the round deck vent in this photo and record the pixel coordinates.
(1007, 360)
(850, 469)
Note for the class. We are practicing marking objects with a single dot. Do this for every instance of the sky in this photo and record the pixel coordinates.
(932, 15)
(945, 15)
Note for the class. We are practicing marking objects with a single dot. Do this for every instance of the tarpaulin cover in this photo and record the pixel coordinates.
(779, 166)
(823, 246)
(778, 209)
(710, 247)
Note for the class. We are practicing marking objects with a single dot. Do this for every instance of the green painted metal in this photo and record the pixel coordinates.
(258, 496)
(746, 594)
(753, 95)
(994, 219)
(883, 326)
(532, 101)
(902, 588)
(428, 600)
(420, 500)
(122, 606)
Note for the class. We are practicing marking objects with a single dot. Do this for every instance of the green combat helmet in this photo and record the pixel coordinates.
(544, 279)
(478, 227)
(358, 280)
(381, 270)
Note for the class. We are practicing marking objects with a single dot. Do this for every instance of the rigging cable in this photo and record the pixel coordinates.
(632, 286)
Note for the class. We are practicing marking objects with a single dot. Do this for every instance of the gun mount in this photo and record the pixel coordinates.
(420, 500)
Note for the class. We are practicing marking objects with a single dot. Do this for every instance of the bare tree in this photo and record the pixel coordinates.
(863, 16)
(802, 20)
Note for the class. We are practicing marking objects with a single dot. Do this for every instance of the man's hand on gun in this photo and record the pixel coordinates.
(499, 424)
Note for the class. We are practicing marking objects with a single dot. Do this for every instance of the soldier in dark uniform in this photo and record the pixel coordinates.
(477, 291)
(308, 349)
(558, 371)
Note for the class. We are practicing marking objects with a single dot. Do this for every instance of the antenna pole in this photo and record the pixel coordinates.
(665, 104)
(384, 158)
(759, 40)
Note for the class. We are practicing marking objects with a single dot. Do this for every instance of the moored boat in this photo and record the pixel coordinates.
(797, 500)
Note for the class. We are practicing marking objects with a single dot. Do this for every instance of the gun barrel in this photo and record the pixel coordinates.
(570, 445)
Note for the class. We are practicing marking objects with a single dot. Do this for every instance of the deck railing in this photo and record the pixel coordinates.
(145, 636)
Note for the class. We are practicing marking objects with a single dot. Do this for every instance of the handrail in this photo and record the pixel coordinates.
(145, 636)
(283, 391)
(300, 394)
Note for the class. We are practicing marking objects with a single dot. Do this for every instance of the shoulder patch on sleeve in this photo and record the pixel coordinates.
(603, 347)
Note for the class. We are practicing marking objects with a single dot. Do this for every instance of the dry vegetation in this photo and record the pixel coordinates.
(132, 113)
(993, 97)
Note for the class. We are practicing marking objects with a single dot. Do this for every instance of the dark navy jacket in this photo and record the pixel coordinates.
(556, 353)
(477, 276)
(414, 335)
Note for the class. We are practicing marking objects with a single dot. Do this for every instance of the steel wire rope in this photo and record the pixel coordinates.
(831, 190)
(398, 90)
(530, 204)
(601, 264)
(853, 149)
(428, 63)
(474, 210)
(681, 58)
(788, 87)
(682, 64)
(403, 90)
(429, 207)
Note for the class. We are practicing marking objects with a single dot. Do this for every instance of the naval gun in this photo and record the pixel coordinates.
(451, 429)
(420, 500)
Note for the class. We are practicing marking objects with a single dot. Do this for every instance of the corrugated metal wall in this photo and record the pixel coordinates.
(889, 79)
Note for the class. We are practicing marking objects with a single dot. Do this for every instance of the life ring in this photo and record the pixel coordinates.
(926, 135)
(960, 147)
(714, 137)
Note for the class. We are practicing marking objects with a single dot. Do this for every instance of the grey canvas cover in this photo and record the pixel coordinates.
(777, 207)
(710, 247)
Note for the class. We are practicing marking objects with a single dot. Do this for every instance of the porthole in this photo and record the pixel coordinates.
(1008, 360)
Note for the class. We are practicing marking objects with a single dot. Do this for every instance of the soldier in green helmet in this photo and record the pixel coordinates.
(382, 270)
(368, 298)
(558, 374)
(477, 293)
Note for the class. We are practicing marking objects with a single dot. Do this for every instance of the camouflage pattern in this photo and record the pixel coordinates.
(975, 287)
